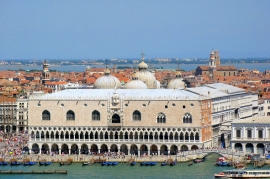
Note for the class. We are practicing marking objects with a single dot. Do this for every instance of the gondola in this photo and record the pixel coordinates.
(172, 163)
(61, 163)
(143, 163)
(29, 163)
(41, 163)
(5, 163)
(15, 163)
(153, 163)
(103, 163)
(85, 163)
(133, 163)
(114, 163)
(163, 164)
(48, 163)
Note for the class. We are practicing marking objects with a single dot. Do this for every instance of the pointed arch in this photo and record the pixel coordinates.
(161, 118)
(70, 115)
(187, 118)
(136, 116)
(95, 115)
(46, 115)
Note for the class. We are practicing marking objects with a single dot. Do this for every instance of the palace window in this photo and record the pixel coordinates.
(70, 115)
(46, 115)
(161, 118)
(249, 133)
(238, 133)
(136, 116)
(260, 134)
(95, 116)
(187, 118)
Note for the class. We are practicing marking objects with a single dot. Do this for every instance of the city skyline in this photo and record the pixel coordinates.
(120, 29)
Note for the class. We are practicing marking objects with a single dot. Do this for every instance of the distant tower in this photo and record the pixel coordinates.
(45, 73)
(217, 57)
(212, 65)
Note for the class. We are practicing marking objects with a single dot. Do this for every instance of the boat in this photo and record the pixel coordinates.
(163, 164)
(143, 163)
(153, 163)
(133, 163)
(85, 163)
(29, 163)
(103, 163)
(190, 163)
(236, 173)
(148, 163)
(173, 163)
(5, 163)
(109, 163)
(198, 160)
(15, 163)
(48, 163)
(114, 163)
(41, 163)
(61, 163)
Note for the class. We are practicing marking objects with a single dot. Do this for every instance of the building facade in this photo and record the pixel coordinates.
(251, 135)
(138, 121)
(229, 103)
(214, 69)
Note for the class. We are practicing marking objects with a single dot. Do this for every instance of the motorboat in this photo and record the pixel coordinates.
(236, 173)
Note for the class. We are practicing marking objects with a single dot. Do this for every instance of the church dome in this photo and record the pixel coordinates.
(135, 84)
(177, 82)
(146, 76)
(107, 81)
(142, 65)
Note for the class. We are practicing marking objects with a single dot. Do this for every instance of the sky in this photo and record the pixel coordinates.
(99, 29)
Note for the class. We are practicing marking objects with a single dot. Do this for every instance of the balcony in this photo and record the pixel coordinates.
(111, 124)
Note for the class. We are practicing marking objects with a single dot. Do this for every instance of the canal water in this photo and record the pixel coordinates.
(204, 170)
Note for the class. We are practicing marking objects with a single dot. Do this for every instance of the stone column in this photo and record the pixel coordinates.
(255, 148)
(158, 152)
(129, 151)
(244, 148)
(59, 151)
(139, 153)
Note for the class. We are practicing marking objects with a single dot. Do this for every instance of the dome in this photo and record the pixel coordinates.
(148, 78)
(145, 76)
(177, 82)
(87, 68)
(107, 81)
(135, 84)
(142, 65)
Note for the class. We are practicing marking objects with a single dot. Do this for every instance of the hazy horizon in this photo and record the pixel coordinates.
(67, 29)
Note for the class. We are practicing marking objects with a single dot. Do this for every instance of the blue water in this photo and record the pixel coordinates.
(187, 67)
(204, 170)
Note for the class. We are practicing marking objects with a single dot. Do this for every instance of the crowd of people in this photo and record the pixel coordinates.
(13, 144)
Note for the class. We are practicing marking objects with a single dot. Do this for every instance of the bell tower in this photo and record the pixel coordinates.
(45, 73)
(212, 65)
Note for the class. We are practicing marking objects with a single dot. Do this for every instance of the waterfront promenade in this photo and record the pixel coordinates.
(180, 157)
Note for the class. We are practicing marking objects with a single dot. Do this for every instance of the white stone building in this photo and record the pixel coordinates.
(229, 103)
(127, 120)
(251, 135)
